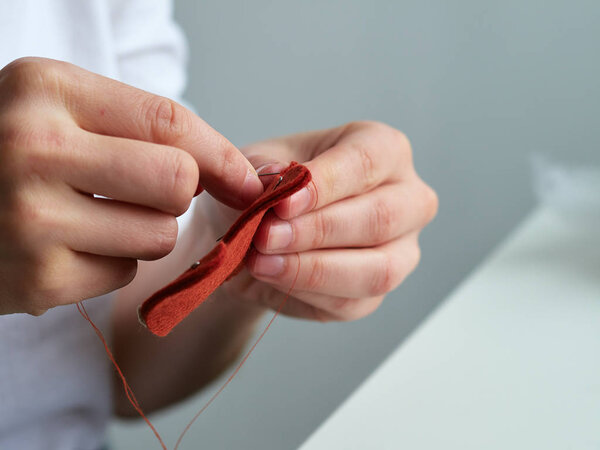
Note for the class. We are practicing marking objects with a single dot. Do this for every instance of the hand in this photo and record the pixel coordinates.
(66, 134)
(354, 230)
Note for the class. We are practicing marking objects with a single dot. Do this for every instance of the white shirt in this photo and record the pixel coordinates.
(54, 374)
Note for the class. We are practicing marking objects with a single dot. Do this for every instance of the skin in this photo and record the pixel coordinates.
(66, 134)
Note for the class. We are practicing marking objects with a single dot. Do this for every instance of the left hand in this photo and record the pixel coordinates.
(353, 230)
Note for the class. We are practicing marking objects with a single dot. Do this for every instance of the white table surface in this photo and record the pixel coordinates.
(511, 360)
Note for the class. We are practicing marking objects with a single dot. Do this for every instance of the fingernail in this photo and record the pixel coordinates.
(268, 265)
(251, 188)
(280, 235)
(300, 202)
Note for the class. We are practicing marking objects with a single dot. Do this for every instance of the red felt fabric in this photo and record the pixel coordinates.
(171, 304)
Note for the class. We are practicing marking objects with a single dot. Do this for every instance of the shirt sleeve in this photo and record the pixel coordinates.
(151, 53)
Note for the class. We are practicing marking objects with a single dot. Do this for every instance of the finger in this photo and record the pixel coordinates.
(379, 216)
(105, 106)
(86, 275)
(352, 273)
(324, 308)
(303, 305)
(153, 175)
(293, 307)
(111, 228)
(365, 156)
(330, 307)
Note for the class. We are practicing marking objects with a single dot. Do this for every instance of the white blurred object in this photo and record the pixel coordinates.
(508, 361)
(571, 191)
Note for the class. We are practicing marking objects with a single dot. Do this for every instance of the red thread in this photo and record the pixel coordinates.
(128, 391)
(243, 361)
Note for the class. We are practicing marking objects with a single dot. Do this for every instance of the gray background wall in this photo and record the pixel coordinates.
(477, 86)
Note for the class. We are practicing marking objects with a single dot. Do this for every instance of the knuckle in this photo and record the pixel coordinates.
(19, 70)
(387, 137)
(25, 150)
(317, 276)
(24, 64)
(322, 228)
(25, 210)
(387, 276)
(381, 222)
(367, 165)
(43, 151)
(32, 216)
(29, 74)
(328, 184)
(14, 134)
(169, 121)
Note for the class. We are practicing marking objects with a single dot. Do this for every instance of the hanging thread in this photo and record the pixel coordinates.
(243, 361)
(129, 392)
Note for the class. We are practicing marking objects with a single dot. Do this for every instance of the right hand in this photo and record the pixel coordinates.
(66, 134)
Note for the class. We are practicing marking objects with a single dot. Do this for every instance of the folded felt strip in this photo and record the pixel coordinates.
(162, 311)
